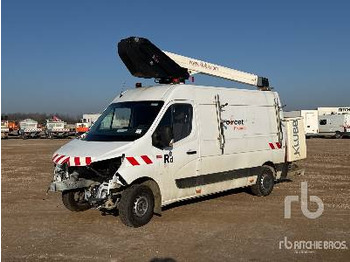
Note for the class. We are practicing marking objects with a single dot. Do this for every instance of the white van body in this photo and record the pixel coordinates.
(310, 118)
(334, 125)
(207, 160)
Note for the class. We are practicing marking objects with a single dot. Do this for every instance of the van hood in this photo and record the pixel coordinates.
(82, 153)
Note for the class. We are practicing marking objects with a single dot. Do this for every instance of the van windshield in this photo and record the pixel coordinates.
(125, 121)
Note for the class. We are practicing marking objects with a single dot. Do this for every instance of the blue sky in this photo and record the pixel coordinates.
(60, 56)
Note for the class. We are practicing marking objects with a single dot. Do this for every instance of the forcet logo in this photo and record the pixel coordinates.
(303, 196)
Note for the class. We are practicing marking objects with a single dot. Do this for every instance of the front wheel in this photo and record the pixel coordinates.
(136, 206)
(265, 182)
(74, 200)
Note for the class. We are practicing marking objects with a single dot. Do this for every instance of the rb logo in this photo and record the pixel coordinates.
(303, 196)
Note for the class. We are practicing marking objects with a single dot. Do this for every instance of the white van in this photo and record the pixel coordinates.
(154, 146)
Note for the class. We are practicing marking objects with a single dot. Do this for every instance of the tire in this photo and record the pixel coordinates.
(74, 200)
(338, 135)
(265, 182)
(136, 206)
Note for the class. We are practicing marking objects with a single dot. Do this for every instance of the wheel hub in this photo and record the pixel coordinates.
(79, 196)
(266, 182)
(140, 206)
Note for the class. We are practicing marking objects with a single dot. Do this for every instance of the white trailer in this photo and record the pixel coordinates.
(337, 126)
(56, 128)
(28, 128)
(310, 119)
(154, 146)
(333, 110)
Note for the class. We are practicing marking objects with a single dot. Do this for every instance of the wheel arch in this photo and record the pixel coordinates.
(272, 166)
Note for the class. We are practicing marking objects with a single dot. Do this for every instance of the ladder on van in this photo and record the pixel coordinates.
(144, 59)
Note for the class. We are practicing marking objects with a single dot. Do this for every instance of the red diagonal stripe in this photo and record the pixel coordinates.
(132, 161)
(278, 144)
(272, 146)
(146, 159)
(54, 156)
(59, 158)
(77, 161)
(88, 160)
(66, 160)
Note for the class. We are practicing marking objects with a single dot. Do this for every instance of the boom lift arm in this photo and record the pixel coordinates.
(197, 66)
(144, 59)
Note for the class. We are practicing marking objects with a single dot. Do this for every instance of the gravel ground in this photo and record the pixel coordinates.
(232, 226)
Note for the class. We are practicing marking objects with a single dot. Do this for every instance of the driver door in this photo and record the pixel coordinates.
(176, 139)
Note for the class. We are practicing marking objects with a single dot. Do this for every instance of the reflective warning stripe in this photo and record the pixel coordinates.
(77, 161)
(64, 160)
(54, 156)
(59, 158)
(71, 161)
(276, 145)
(139, 160)
(147, 160)
(132, 161)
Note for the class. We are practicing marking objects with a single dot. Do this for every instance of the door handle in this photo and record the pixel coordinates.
(191, 152)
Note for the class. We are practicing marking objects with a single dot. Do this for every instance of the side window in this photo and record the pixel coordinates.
(182, 121)
(323, 122)
(175, 125)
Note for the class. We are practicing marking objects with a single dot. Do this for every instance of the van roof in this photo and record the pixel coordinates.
(179, 91)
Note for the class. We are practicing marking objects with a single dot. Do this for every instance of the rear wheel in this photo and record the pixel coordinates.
(338, 135)
(265, 182)
(136, 206)
(74, 200)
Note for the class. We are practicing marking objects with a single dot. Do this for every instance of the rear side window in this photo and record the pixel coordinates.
(323, 122)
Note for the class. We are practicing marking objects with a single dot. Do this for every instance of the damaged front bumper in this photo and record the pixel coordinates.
(70, 184)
